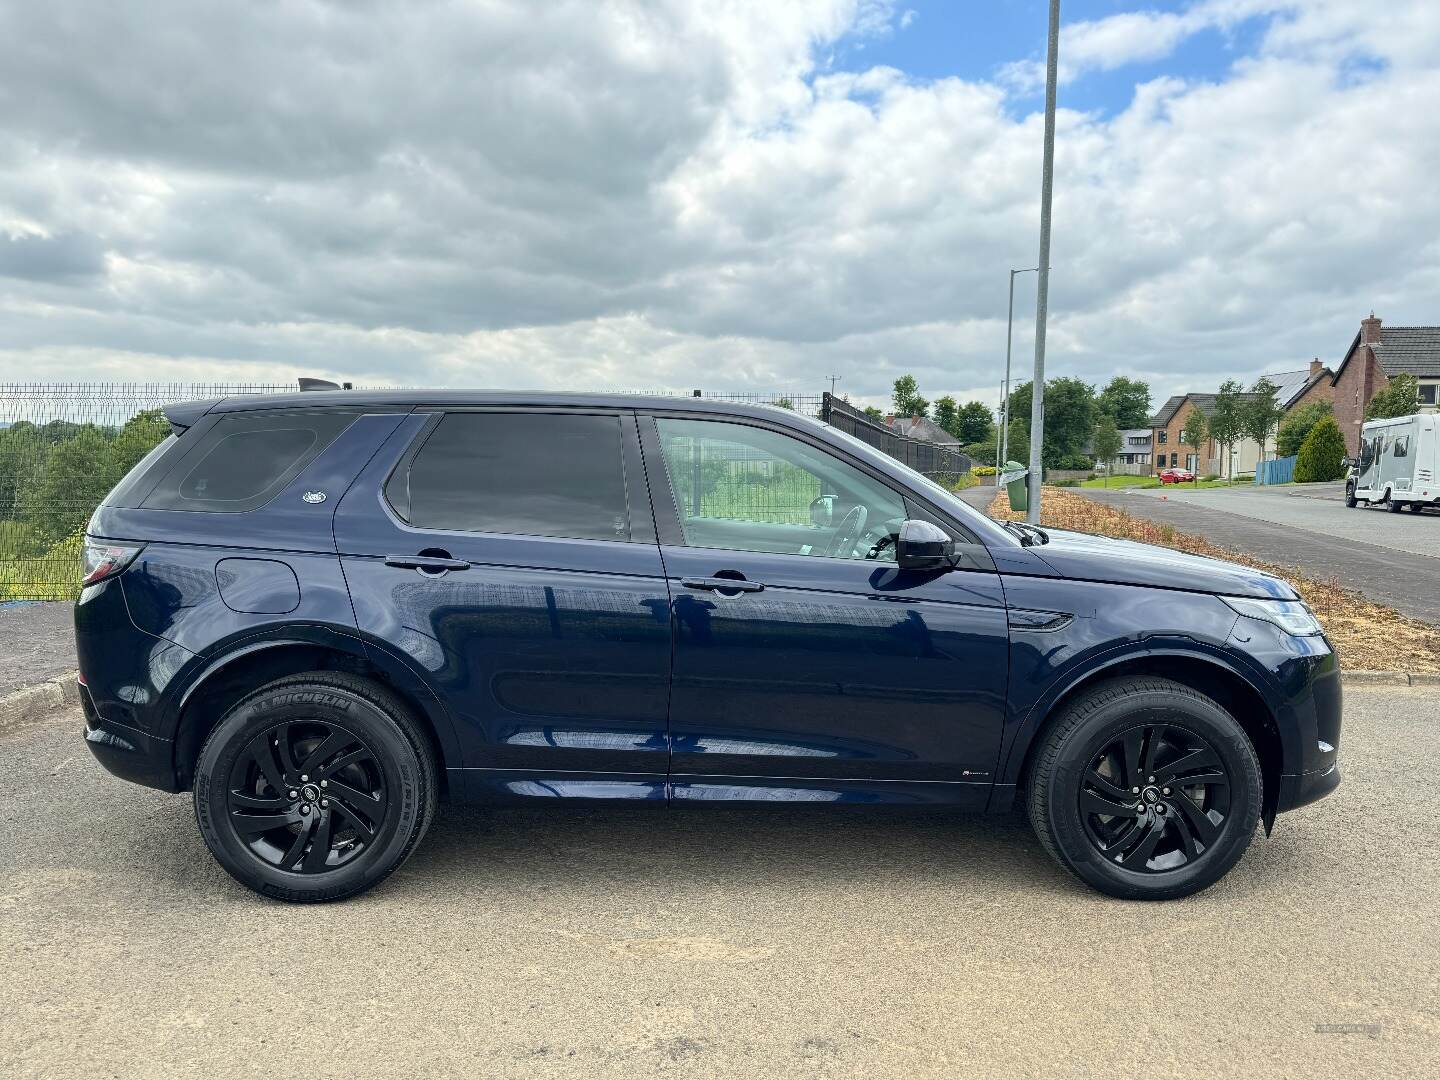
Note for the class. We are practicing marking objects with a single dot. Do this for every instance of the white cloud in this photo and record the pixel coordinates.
(670, 195)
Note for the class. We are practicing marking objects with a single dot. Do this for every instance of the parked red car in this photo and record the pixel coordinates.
(1176, 475)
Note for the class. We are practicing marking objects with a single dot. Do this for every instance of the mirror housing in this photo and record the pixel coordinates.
(922, 545)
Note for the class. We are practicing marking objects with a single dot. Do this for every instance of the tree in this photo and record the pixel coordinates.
(1297, 425)
(908, 401)
(1107, 442)
(1194, 434)
(1227, 420)
(974, 422)
(947, 415)
(1069, 421)
(1127, 401)
(1401, 397)
(1322, 454)
(1260, 414)
(874, 414)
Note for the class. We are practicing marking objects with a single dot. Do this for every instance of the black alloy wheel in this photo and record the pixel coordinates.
(307, 796)
(1155, 798)
(1145, 788)
(315, 787)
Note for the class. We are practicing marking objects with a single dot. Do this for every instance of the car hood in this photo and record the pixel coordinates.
(1125, 562)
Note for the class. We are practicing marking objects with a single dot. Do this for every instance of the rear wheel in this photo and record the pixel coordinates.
(1416, 507)
(1392, 504)
(315, 787)
(1145, 789)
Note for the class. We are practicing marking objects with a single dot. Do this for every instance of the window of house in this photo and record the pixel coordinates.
(1427, 393)
(1164, 436)
(532, 474)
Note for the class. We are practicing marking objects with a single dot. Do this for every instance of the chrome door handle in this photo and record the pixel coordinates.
(714, 584)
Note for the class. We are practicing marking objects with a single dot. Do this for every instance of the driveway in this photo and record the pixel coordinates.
(715, 942)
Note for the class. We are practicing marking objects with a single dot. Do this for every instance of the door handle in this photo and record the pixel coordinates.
(725, 584)
(426, 564)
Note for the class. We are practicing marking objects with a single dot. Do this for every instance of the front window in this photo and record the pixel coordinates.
(1427, 393)
(744, 488)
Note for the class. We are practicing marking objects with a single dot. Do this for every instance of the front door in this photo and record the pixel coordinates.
(509, 557)
(806, 664)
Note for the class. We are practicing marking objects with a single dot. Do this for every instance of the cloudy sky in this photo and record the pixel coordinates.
(727, 194)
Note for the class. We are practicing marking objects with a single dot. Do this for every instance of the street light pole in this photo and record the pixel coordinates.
(1003, 443)
(1042, 292)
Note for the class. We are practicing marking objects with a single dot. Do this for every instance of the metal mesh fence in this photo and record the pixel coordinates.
(63, 446)
(937, 462)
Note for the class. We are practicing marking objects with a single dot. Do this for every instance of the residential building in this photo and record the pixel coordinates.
(920, 427)
(1170, 452)
(1376, 355)
(1135, 450)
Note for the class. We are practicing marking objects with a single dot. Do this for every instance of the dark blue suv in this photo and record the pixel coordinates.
(325, 612)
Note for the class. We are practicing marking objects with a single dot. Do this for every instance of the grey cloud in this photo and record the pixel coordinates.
(65, 258)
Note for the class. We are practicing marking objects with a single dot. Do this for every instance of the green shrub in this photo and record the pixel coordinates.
(1322, 453)
(1298, 424)
(982, 470)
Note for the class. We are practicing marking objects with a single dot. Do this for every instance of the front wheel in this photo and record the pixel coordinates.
(1350, 499)
(315, 787)
(1145, 789)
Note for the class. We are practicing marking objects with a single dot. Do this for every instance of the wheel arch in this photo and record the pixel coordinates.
(229, 678)
(1218, 681)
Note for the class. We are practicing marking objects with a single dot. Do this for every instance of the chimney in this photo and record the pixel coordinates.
(1316, 367)
(1370, 330)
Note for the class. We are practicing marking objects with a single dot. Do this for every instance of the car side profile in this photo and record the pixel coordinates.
(324, 613)
(1176, 475)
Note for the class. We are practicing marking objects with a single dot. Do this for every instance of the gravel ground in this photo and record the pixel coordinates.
(37, 642)
(721, 942)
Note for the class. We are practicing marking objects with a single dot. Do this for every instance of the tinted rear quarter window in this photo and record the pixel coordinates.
(246, 459)
(533, 474)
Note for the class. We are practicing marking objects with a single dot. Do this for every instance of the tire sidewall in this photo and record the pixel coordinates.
(394, 755)
(1221, 732)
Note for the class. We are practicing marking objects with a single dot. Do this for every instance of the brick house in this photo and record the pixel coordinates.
(1377, 354)
(1295, 388)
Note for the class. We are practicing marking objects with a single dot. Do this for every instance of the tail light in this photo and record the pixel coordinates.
(105, 558)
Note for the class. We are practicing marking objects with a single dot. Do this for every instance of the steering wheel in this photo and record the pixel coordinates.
(850, 529)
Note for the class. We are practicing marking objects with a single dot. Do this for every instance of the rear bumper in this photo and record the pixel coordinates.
(129, 754)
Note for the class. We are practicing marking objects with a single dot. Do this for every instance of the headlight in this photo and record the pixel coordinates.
(1292, 616)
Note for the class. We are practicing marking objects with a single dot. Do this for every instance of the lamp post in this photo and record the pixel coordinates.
(1042, 291)
(1003, 443)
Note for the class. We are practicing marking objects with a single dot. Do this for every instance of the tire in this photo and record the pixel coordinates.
(1392, 505)
(1350, 499)
(1109, 852)
(369, 788)
(1416, 507)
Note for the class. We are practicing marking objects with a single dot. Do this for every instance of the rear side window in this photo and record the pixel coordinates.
(535, 474)
(247, 459)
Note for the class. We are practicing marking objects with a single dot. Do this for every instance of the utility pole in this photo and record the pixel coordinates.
(1003, 443)
(1042, 292)
(833, 380)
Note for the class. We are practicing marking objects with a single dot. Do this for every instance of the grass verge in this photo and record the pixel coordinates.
(1367, 635)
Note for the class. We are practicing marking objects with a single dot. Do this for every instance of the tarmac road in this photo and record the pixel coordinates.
(712, 942)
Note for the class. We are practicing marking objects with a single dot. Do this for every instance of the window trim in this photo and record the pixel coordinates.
(667, 516)
(639, 517)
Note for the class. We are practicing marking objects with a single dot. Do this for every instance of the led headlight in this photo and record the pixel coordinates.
(1292, 616)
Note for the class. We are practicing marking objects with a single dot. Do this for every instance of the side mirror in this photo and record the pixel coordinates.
(922, 545)
(822, 511)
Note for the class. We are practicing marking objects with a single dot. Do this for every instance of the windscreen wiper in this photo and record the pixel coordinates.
(1029, 535)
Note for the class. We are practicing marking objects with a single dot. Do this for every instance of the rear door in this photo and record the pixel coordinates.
(509, 556)
(807, 665)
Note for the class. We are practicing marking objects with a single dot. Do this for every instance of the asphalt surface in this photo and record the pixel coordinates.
(1311, 532)
(721, 942)
(37, 642)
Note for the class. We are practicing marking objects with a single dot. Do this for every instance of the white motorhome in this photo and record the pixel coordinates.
(1399, 464)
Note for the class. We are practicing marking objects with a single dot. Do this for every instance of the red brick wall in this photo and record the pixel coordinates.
(1173, 445)
(1361, 380)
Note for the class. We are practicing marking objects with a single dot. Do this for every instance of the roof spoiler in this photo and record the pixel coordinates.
(183, 414)
(322, 384)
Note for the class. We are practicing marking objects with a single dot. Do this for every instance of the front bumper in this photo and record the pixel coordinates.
(1301, 789)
